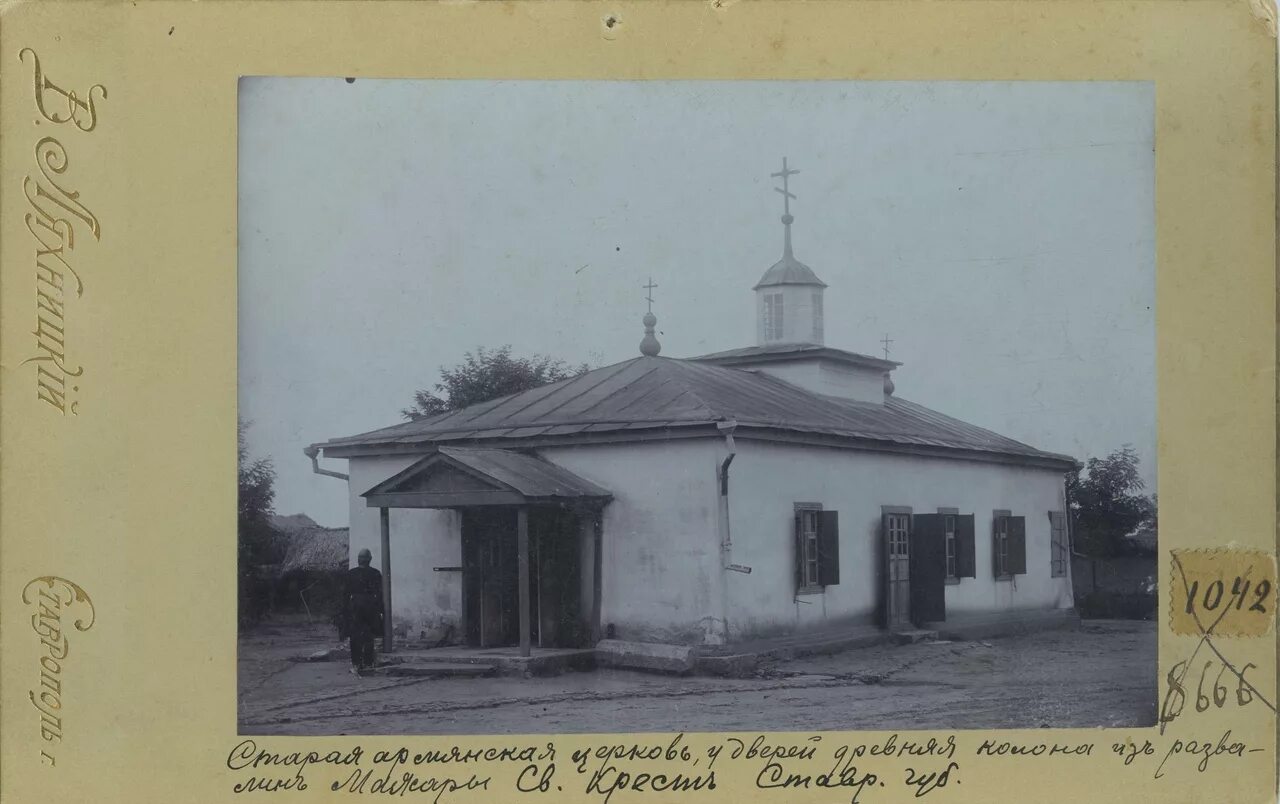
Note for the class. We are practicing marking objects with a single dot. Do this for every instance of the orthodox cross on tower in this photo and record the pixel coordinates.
(785, 189)
(649, 296)
(886, 340)
(785, 174)
(649, 345)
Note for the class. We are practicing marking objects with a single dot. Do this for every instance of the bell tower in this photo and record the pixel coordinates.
(789, 295)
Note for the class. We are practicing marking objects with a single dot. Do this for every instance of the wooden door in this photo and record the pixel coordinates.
(490, 577)
(928, 549)
(897, 551)
(555, 585)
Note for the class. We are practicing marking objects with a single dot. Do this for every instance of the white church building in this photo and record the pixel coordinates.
(763, 491)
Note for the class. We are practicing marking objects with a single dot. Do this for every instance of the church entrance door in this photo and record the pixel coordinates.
(490, 577)
(897, 551)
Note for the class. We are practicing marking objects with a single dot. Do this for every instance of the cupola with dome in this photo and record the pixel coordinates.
(789, 295)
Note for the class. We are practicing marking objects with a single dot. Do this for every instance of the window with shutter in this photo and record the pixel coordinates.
(808, 553)
(1000, 544)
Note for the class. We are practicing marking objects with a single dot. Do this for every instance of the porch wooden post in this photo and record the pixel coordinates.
(522, 557)
(597, 573)
(385, 515)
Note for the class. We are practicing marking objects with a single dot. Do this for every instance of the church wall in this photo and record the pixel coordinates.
(660, 556)
(768, 479)
(661, 577)
(659, 541)
(827, 377)
(423, 602)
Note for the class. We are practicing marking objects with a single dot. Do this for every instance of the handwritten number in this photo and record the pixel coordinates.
(1263, 590)
(1175, 698)
(1244, 695)
(1200, 696)
(1219, 699)
(1217, 598)
(1240, 588)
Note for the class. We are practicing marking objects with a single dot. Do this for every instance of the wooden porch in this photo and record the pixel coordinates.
(496, 482)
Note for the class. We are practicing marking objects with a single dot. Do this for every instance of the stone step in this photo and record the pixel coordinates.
(645, 656)
(912, 635)
(422, 669)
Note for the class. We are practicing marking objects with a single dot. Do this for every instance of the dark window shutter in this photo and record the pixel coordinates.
(828, 548)
(799, 543)
(881, 553)
(1017, 545)
(966, 553)
(996, 569)
(1058, 527)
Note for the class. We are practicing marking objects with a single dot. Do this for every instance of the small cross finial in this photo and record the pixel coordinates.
(886, 340)
(649, 296)
(785, 189)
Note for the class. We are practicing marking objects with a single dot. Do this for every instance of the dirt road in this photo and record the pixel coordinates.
(1101, 675)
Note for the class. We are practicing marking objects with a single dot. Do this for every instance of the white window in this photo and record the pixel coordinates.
(773, 317)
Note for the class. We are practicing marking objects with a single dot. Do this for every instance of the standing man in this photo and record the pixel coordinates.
(362, 610)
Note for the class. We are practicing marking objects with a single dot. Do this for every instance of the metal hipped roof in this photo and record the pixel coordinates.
(644, 395)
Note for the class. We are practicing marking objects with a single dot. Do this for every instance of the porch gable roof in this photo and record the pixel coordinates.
(455, 477)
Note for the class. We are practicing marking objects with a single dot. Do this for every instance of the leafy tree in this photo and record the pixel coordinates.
(488, 374)
(258, 541)
(1107, 503)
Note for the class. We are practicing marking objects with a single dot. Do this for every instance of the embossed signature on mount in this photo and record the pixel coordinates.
(53, 597)
(52, 218)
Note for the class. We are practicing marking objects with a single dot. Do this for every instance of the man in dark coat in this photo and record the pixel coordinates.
(362, 610)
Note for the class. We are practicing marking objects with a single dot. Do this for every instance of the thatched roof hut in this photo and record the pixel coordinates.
(309, 546)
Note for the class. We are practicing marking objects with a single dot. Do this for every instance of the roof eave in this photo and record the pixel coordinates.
(770, 432)
(825, 353)
(817, 283)
(429, 443)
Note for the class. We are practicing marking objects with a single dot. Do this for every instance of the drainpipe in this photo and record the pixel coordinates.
(726, 538)
(718, 629)
(313, 452)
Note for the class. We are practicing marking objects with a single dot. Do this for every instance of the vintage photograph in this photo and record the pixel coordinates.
(599, 406)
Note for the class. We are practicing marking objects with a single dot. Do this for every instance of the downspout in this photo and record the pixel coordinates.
(718, 633)
(726, 538)
(313, 452)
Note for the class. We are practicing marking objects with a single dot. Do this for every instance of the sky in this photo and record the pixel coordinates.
(1001, 234)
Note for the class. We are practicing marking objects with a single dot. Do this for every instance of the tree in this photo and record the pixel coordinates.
(1107, 503)
(488, 374)
(258, 541)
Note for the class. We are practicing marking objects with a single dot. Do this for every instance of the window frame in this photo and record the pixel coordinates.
(818, 324)
(773, 322)
(951, 554)
(1000, 542)
(807, 541)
